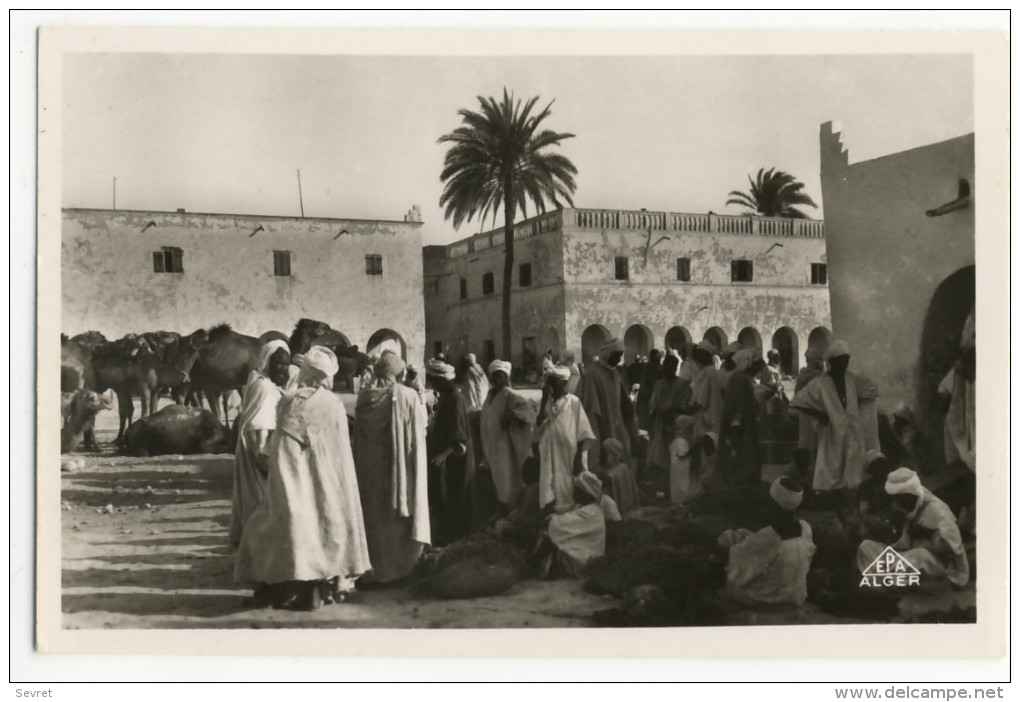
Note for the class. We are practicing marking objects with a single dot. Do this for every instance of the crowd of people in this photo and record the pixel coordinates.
(322, 508)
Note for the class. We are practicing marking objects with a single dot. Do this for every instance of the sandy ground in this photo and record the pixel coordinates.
(145, 546)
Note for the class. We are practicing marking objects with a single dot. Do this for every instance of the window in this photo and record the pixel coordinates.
(281, 263)
(437, 348)
(488, 284)
(490, 350)
(742, 271)
(373, 264)
(683, 269)
(819, 274)
(169, 259)
(463, 288)
(524, 275)
(622, 268)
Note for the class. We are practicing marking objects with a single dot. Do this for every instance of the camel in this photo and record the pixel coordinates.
(223, 364)
(177, 429)
(165, 365)
(309, 332)
(79, 410)
(112, 366)
(75, 360)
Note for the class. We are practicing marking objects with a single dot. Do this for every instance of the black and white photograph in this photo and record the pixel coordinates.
(674, 342)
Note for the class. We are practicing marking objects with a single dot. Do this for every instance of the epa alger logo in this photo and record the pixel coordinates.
(890, 569)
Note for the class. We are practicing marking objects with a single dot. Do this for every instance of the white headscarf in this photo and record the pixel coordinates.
(267, 351)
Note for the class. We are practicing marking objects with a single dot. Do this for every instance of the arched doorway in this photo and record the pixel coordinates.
(592, 338)
(749, 338)
(679, 338)
(551, 340)
(718, 338)
(820, 337)
(940, 348)
(637, 341)
(386, 340)
(785, 342)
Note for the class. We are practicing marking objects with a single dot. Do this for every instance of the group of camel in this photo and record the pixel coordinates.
(209, 364)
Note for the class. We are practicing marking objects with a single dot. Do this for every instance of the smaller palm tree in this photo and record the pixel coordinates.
(773, 194)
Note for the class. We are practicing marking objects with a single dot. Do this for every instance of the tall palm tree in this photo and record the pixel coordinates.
(499, 157)
(773, 194)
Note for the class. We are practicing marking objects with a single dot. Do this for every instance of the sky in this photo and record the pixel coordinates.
(227, 133)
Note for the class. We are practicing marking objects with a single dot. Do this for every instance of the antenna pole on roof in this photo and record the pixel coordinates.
(301, 199)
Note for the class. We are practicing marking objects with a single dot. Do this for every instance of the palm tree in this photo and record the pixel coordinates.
(773, 194)
(500, 158)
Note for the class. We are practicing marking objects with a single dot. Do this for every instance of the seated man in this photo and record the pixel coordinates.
(930, 539)
(769, 567)
(573, 538)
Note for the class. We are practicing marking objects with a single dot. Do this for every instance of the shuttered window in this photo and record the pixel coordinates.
(281, 263)
(742, 271)
(488, 284)
(622, 268)
(169, 259)
(683, 269)
(819, 274)
(373, 264)
(524, 274)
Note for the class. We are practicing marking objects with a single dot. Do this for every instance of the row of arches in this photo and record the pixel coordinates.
(638, 340)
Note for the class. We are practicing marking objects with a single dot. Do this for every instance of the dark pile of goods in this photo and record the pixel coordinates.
(484, 564)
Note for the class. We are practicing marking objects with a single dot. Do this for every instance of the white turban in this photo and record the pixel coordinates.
(471, 358)
(558, 372)
(904, 481)
(267, 351)
(438, 369)
(786, 497)
(502, 366)
(837, 348)
(323, 360)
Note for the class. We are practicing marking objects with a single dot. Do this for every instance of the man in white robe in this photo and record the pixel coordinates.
(563, 431)
(769, 568)
(392, 467)
(256, 420)
(842, 405)
(930, 540)
(507, 421)
(305, 544)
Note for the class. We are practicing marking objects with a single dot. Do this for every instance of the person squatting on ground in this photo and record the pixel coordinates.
(451, 458)
(930, 538)
(256, 420)
(305, 544)
(563, 435)
(507, 421)
(574, 537)
(769, 568)
(607, 403)
(392, 467)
